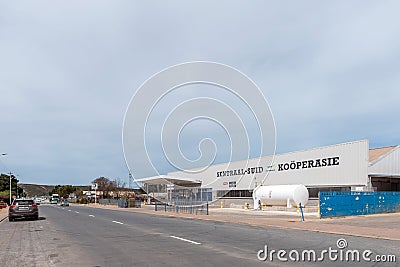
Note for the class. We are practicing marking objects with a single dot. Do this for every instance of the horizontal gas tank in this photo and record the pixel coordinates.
(281, 195)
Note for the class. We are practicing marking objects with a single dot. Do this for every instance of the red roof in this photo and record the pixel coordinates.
(376, 153)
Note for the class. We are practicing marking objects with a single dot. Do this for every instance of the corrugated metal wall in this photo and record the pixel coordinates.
(336, 204)
(352, 169)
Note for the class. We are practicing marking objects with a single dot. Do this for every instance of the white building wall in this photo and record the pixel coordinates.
(387, 165)
(350, 166)
(337, 165)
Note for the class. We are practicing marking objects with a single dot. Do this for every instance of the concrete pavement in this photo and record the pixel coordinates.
(380, 226)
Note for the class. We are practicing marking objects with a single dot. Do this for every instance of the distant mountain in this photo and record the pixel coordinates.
(36, 190)
(39, 190)
(32, 190)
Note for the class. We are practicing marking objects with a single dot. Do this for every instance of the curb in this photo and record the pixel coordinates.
(5, 217)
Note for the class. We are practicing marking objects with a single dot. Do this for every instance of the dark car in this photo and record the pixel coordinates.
(64, 203)
(23, 208)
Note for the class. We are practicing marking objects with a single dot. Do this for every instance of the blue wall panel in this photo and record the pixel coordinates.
(335, 204)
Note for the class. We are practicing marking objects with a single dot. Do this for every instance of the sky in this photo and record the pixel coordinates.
(329, 70)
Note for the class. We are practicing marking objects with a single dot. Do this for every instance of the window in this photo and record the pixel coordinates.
(23, 202)
(235, 193)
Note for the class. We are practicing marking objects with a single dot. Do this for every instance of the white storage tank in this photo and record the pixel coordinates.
(280, 195)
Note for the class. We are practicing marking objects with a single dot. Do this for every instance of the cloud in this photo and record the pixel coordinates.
(68, 71)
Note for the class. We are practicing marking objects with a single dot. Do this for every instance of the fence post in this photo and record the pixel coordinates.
(319, 205)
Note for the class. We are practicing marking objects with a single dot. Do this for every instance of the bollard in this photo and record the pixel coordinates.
(302, 215)
(222, 205)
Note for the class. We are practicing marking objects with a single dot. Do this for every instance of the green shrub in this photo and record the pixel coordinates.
(83, 201)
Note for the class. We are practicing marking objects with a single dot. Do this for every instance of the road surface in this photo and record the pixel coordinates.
(84, 236)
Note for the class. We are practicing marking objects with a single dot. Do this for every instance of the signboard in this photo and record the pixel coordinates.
(95, 186)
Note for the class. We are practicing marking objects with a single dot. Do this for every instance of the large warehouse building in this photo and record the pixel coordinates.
(341, 167)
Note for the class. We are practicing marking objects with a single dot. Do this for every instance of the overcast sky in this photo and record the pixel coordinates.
(330, 71)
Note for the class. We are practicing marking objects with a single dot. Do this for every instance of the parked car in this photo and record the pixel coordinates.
(3, 205)
(23, 208)
(64, 203)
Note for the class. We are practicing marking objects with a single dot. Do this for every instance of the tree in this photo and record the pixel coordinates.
(78, 192)
(119, 184)
(5, 186)
(104, 185)
(63, 190)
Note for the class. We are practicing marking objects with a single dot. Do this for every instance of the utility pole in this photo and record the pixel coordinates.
(94, 186)
(130, 180)
(10, 187)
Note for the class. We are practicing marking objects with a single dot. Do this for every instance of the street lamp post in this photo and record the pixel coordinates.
(10, 187)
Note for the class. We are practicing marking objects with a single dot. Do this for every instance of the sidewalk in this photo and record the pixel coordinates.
(381, 226)
(3, 214)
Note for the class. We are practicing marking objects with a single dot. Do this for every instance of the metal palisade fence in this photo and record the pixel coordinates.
(183, 207)
(122, 203)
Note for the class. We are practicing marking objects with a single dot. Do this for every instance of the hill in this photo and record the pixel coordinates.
(32, 190)
(36, 190)
(39, 190)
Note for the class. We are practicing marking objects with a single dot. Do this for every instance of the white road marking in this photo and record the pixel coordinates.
(90, 215)
(76, 211)
(69, 210)
(117, 222)
(186, 240)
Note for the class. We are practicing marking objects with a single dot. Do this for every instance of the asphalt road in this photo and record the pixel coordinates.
(83, 236)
